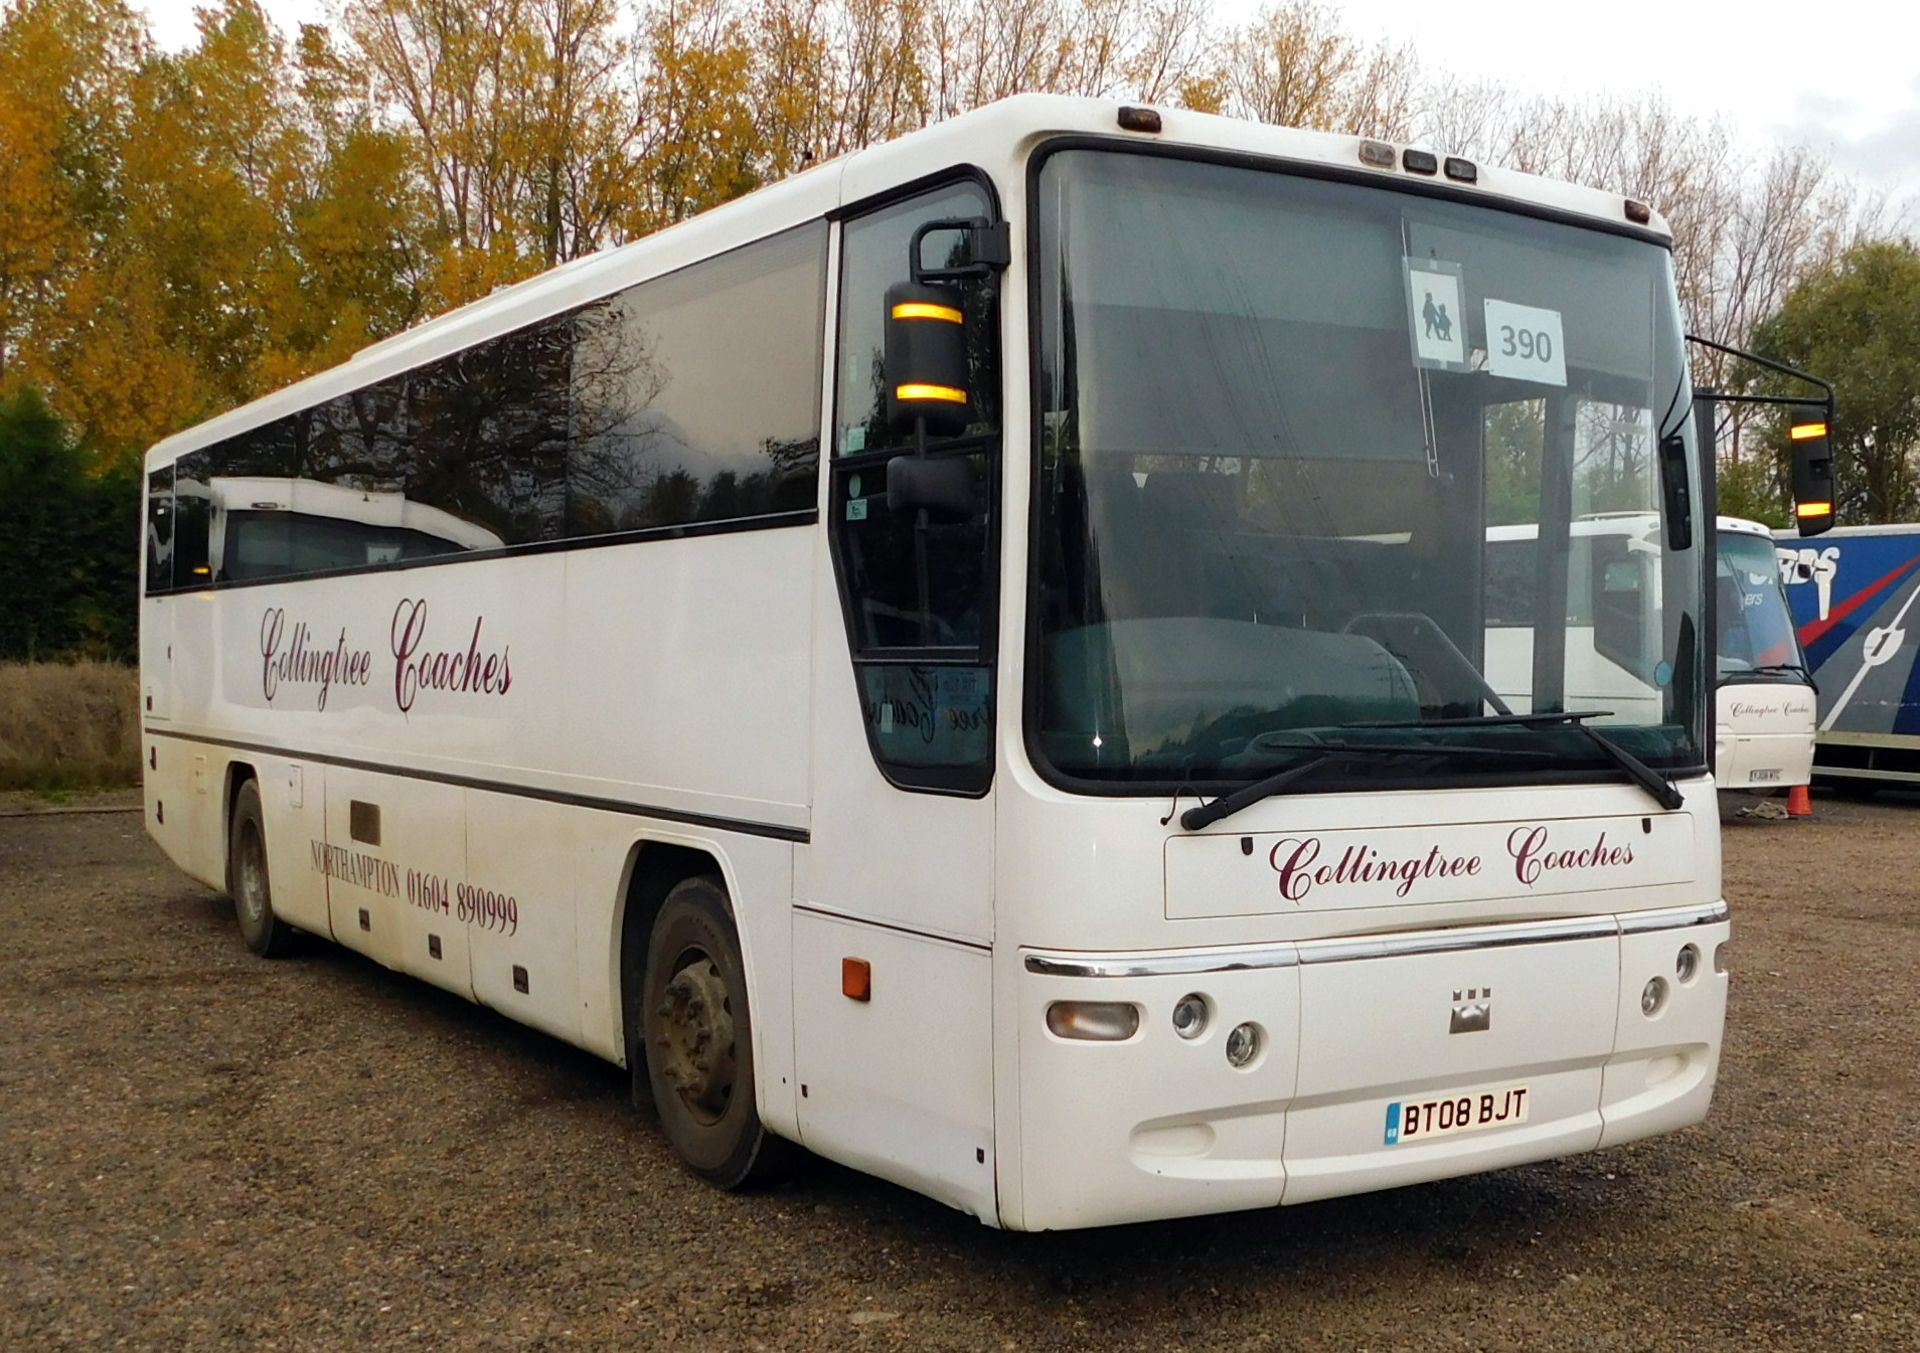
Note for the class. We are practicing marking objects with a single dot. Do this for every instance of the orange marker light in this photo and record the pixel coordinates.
(1814, 510)
(927, 310)
(946, 394)
(1802, 431)
(856, 979)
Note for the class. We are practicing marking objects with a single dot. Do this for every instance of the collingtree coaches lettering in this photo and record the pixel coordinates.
(1534, 853)
(418, 669)
(290, 657)
(300, 663)
(1296, 860)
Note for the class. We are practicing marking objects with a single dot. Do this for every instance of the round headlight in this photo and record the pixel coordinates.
(1243, 1045)
(1653, 997)
(1190, 1015)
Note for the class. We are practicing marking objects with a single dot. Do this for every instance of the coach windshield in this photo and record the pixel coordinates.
(1756, 638)
(1285, 425)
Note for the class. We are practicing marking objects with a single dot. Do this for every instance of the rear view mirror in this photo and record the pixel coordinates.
(926, 360)
(958, 248)
(943, 486)
(1812, 468)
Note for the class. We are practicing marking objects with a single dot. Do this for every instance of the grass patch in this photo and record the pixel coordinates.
(69, 727)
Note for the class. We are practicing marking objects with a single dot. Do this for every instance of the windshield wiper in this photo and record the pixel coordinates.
(1649, 779)
(1206, 814)
(1794, 668)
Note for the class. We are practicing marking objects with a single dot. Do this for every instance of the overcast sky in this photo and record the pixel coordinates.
(1842, 76)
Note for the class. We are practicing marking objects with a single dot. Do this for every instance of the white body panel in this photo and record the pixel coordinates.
(695, 694)
(1763, 736)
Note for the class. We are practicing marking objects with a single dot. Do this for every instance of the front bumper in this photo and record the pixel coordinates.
(1161, 1126)
(1752, 763)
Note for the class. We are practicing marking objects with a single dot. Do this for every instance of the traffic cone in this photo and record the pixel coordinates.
(1799, 802)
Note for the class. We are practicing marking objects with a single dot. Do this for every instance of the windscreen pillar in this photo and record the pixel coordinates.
(1556, 526)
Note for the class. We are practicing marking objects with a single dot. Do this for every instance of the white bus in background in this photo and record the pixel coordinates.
(1612, 559)
(977, 659)
(1764, 703)
(1764, 727)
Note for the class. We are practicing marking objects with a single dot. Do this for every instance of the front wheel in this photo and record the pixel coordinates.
(699, 1040)
(247, 880)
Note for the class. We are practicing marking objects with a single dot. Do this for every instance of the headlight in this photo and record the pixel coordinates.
(1094, 1021)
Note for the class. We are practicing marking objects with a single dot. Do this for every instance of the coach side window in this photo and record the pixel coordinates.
(696, 396)
(691, 398)
(160, 529)
(192, 507)
(250, 517)
(918, 586)
(488, 429)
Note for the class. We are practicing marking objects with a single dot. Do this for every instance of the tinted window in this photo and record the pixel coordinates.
(360, 440)
(191, 510)
(918, 586)
(691, 398)
(873, 257)
(252, 474)
(696, 397)
(160, 529)
(489, 433)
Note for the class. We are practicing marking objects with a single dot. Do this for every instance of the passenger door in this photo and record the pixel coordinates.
(898, 871)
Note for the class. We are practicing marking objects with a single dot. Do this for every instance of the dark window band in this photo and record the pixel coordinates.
(692, 530)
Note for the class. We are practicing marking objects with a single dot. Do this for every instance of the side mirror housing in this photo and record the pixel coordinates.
(926, 360)
(942, 485)
(1812, 468)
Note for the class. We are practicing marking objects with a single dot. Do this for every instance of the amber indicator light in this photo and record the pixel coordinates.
(927, 310)
(856, 979)
(945, 393)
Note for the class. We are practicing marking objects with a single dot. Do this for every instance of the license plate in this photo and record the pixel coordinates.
(1417, 1120)
(1764, 777)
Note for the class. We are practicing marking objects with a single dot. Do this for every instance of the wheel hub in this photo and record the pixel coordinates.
(695, 1042)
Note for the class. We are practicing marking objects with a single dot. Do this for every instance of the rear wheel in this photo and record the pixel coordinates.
(247, 880)
(698, 1035)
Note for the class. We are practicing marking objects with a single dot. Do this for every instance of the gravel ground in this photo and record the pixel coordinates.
(198, 1149)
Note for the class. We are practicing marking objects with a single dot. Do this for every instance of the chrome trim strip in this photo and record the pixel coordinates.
(1452, 941)
(1165, 964)
(1350, 948)
(1674, 918)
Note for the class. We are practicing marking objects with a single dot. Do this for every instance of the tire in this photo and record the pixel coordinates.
(247, 881)
(698, 1041)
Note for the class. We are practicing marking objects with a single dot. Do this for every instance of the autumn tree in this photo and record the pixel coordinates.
(1856, 322)
(67, 69)
(1296, 65)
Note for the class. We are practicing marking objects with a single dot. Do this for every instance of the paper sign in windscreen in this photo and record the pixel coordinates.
(1436, 316)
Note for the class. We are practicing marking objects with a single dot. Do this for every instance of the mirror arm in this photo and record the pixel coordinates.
(1724, 397)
